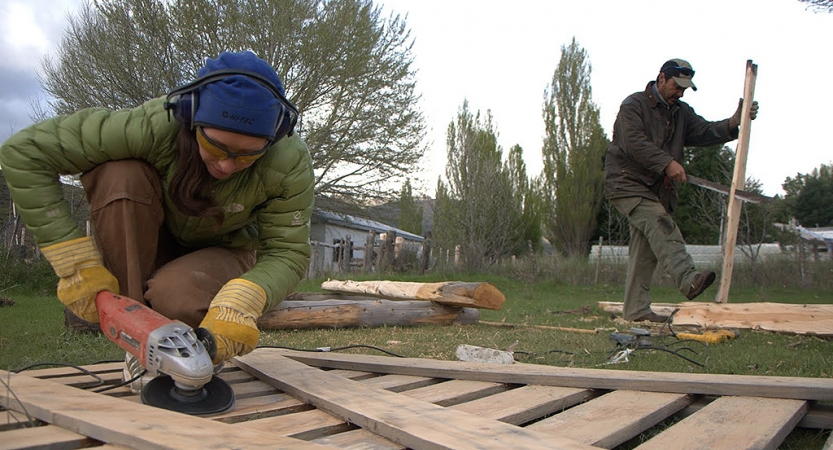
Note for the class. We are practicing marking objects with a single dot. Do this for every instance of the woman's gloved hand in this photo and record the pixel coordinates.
(83, 275)
(232, 318)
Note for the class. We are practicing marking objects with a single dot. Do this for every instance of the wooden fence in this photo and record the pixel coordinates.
(380, 253)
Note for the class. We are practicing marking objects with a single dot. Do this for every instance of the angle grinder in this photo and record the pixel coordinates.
(177, 356)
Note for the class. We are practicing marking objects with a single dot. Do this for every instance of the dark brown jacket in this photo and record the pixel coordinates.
(647, 135)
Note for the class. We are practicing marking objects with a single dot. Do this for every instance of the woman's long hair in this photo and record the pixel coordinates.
(190, 187)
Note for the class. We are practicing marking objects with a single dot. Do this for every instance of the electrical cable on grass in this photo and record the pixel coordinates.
(332, 349)
(78, 368)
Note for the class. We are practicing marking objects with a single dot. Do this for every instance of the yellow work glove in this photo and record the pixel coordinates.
(232, 318)
(83, 275)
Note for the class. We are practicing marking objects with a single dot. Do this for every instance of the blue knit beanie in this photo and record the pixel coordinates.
(239, 103)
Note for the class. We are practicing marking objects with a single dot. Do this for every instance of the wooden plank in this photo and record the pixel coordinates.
(525, 404)
(733, 423)
(399, 383)
(263, 406)
(44, 437)
(354, 375)
(126, 423)
(738, 182)
(456, 391)
(406, 421)
(777, 317)
(452, 293)
(290, 314)
(358, 440)
(613, 418)
(304, 425)
(606, 379)
(811, 319)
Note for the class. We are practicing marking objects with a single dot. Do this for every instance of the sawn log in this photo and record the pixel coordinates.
(453, 293)
(304, 314)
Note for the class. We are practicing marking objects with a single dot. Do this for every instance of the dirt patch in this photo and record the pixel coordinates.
(5, 301)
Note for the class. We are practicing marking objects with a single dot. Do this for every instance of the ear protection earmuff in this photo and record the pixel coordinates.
(183, 101)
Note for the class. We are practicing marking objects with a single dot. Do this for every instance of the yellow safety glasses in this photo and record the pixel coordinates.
(219, 151)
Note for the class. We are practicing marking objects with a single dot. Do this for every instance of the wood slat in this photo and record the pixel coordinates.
(358, 440)
(606, 379)
(613, 418)
(525, 404)
(43, 437)
(456, 391)
(406, 421)
(305, 425)
(126, 423)
(733, 423)
(399, 383)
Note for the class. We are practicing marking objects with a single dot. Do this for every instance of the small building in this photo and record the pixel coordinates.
(333, 233)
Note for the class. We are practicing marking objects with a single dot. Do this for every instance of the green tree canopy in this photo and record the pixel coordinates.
(476, 214)
(573, 152)
(346, 68)
(810, 197)
(410, 212)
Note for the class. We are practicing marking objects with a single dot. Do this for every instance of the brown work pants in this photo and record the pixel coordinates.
(655, 238)
(125, 199)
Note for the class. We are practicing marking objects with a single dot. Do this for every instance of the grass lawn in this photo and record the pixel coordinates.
(32, 331)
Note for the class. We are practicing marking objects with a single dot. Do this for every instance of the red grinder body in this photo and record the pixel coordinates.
(161, 344)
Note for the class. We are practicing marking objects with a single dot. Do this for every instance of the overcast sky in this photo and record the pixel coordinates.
(500, 56)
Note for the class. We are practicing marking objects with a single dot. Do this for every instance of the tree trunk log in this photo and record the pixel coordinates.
(452, 293)
(302, 314)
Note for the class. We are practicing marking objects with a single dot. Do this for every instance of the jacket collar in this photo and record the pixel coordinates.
(650, 92)
(654, 100)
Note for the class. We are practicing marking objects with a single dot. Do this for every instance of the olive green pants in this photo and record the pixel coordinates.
(125, 199)
(654, 238)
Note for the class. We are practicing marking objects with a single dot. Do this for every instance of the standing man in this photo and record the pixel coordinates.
(642, 168)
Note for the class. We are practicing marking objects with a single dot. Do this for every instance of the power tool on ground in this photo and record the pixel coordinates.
(178, 354)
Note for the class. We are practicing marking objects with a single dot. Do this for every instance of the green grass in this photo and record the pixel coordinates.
(32, 331)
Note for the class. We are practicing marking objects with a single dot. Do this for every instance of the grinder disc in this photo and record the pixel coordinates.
(214, 397)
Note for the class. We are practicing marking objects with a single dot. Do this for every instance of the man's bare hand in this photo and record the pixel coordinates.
(675, 171)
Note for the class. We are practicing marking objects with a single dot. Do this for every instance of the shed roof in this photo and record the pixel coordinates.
(360, 223)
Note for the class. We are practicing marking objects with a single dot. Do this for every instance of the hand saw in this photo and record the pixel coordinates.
(746, 196)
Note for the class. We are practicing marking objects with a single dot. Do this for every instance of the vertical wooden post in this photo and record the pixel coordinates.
(370, 242)
(599, 260)
(738, 181)
(425, 257)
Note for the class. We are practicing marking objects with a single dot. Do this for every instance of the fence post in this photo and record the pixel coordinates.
(425, 258)
(313, 258)
(367, 264)
(598, 261)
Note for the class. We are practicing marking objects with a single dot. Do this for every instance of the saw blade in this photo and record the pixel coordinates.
(214, 397)
(750, 197)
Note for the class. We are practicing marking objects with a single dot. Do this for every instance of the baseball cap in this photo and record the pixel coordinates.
(680, 70)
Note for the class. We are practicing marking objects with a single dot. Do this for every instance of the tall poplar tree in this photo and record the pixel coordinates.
(410, 212)
(573, 152)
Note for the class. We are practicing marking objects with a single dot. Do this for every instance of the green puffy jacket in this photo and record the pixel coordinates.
(267, 206)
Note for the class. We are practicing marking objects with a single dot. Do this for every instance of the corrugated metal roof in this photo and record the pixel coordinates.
(361, 223)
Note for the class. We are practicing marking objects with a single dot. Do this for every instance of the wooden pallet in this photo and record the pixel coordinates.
(287, 399)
